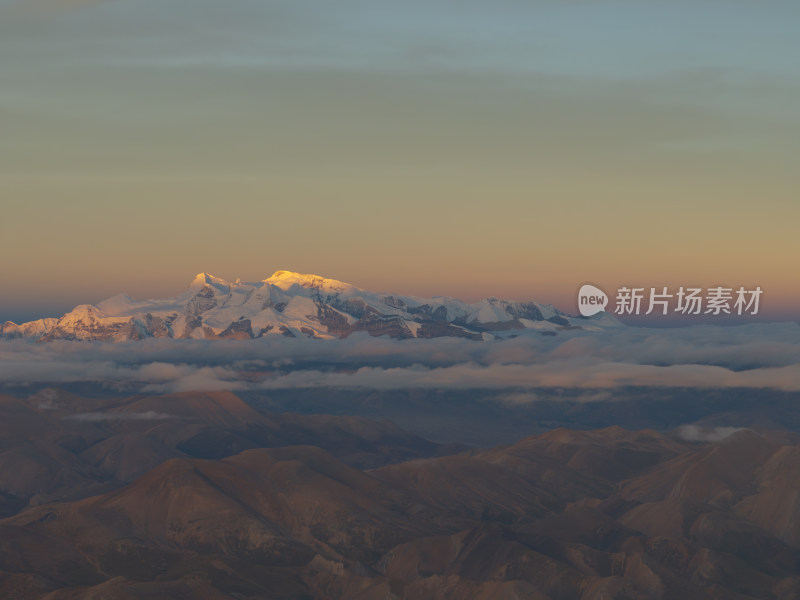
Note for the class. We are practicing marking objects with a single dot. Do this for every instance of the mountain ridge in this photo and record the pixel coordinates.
(294, 305)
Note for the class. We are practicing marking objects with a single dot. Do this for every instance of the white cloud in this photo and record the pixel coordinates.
(694, 433)
(569, 373)
(752, 356)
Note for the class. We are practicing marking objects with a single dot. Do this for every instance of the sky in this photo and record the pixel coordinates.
(509, 148)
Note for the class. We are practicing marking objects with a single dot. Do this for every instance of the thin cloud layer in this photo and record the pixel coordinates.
(38, 8)
(578, 373)
(97, 417)
(694, 433)
(749, 356)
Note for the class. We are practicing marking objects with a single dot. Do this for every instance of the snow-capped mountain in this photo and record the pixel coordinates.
(293, 305)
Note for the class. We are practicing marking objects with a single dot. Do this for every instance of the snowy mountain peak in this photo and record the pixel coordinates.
(201, 280)
(286, 279)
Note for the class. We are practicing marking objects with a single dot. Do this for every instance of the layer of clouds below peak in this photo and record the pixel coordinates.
(749, 356)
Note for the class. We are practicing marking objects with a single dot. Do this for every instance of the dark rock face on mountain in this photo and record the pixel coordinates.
(293, 305)
(201, 496)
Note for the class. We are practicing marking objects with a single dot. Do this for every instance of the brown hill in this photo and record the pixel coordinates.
(268, 507)
(58, 446)
(565, 515)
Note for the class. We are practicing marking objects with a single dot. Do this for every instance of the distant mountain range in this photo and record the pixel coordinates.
(293, 305)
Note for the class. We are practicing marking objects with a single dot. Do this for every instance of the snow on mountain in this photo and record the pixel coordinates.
(202, 280)
(31, 329)
(293, 305)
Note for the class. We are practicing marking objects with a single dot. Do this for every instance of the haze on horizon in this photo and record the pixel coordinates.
(481, 149)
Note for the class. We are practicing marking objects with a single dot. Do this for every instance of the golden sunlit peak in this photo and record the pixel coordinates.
(204, 279)
(286, 279)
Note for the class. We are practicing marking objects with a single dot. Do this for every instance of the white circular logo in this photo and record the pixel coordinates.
(591, 300)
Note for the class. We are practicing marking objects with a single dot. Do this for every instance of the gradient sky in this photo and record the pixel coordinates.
(471, 148)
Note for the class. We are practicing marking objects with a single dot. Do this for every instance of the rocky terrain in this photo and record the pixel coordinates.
(202, 496)
(293, 305)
